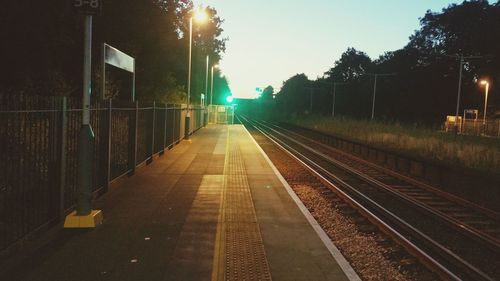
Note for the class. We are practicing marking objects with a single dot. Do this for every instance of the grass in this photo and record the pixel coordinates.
(478, 153)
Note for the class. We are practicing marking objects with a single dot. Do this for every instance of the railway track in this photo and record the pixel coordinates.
(455, 238)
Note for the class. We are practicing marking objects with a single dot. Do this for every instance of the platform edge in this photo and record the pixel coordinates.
(334, 251)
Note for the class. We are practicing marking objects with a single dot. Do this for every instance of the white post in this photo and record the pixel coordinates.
(212, 87)
(206, 77)
(459, 91)
(187, 121)
(103, 72)
(311, 101)
(486, 101)
(133, 84)
(333, 102)
(374, 94)
(189, 66)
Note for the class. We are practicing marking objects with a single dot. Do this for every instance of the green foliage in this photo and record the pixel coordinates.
(267, 95)
(291, 98)
(46, 48)
(467, 151)
(221, 89)
(424, 89)
(351, 66)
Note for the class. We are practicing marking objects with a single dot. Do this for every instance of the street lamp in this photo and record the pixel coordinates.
(460, 74)
(199, 16)
(212, 83)
(487, 88)
(206, 78)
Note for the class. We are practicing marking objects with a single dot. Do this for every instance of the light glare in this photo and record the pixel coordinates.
(200, 15)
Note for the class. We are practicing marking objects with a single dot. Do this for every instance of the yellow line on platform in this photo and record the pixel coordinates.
(219, 249)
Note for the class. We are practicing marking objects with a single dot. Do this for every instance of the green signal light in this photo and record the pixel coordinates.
(229, 99)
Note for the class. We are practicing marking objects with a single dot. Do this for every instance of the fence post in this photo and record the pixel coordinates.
(108, 146)
(187, 124)
(175, 138)
(173, 124)
(498, 132)
(153, 132)
(132, 154)
(165, 128)
(62, 158)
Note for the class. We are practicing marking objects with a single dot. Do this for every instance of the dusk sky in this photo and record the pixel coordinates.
(270, 41)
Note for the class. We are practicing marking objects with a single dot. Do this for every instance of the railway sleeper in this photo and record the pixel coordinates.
(345, 209)
(384, 240)
(405, 187)
(396, 253)
(409, 264)
(368, 228)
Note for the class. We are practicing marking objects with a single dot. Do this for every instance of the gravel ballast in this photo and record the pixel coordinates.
(372, 255)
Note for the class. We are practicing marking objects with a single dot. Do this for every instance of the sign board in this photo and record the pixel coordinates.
(88, 7)
(471, 114)
(118, 58)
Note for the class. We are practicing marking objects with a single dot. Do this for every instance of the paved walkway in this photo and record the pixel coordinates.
(212, 208)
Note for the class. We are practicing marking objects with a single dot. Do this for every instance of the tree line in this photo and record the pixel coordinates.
(420, 84)
(42, 49)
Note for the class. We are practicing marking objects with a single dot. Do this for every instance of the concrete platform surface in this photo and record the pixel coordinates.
(213, 208)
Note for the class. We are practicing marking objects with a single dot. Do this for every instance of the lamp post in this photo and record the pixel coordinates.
(200, 16)
(487, 88)
(334, 95)
(311, 99)
(375, 88)
(212, 83)
(206, 78)
(460, 74)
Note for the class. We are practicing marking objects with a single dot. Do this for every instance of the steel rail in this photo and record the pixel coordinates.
(457, 224)
(426, 258)
(485, 211)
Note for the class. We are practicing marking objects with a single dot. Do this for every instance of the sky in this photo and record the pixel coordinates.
(269, 41)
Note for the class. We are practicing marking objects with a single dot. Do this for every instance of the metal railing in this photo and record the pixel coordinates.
(38, 148)
(475, 127)
(221, 114)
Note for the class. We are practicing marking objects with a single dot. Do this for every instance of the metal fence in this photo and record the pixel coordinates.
(478, 128)
(221, 114)
(39, 148)
(475, 127)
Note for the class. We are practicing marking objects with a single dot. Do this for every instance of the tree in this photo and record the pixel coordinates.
(221, 88)
(267, 94)
(293, 98)
(44, 53)
(425, 88)
(351, 65)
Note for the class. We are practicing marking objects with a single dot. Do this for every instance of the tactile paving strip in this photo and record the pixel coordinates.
(242, 250)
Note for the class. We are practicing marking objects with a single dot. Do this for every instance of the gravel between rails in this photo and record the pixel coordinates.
(371, 254)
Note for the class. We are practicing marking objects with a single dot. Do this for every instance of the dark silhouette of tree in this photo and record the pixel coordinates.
(44, 53)
(351, 66)
(267, 94)
(424, 89)
(221, 89)
(292, 97)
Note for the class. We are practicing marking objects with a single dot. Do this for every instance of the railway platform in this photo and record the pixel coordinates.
(211, 208)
